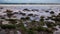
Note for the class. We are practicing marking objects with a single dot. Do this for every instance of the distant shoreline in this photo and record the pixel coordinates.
(32, 3)
(29, 4)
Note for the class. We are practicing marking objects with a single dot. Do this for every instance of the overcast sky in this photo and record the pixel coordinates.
(29, 1)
